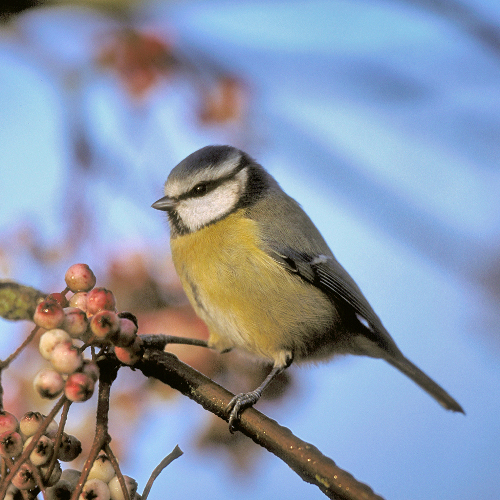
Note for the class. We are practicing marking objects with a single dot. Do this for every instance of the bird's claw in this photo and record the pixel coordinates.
(238, 404)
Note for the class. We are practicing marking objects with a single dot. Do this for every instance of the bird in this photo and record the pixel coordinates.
(258, 272)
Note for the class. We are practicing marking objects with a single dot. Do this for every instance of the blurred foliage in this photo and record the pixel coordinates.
(18, 301)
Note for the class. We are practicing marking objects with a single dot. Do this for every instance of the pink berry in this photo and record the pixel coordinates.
(126, 335)
(48, 314)
(130, 355)
(75, 322)
(59, 298)
(104, 324)
(8, 422)
(48, 384)
(79, 300)
(100, 299)
(69, 449)
(80, 278)
(24, 478)
(79, 387)
(66, 358)
(11, 444)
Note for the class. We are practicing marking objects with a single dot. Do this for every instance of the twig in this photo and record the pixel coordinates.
(305, 459)
(107, 373)
(175, 453)
(116, 467)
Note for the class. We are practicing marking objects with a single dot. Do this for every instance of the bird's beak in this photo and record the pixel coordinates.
(165, 203)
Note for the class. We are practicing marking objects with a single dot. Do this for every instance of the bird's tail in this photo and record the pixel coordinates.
(426, 383)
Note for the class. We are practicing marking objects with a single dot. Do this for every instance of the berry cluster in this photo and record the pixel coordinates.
(44, 462)
(46, 455)
(88, 318)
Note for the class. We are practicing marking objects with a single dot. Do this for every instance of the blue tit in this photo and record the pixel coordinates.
(258, 272)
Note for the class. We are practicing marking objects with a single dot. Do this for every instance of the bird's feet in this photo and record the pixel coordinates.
(238, 404)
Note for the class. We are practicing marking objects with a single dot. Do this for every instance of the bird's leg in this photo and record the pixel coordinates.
(246, 399)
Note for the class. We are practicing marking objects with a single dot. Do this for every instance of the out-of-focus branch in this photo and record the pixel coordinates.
(305, 459)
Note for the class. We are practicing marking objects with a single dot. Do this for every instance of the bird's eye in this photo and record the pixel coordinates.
(200, 189)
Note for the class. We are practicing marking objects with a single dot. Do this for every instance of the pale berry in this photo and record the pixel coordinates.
(8, 422)
(75, 322)
(100, 299)
(79, 387)
(24, 478)
(66, 358)
(130, 355)
(95, 489)
(48, 314)
(11, 444)
(30, 422)
(115, 488)
(80, 278)
(69, 449)
(102, 469)
(42, 452)
(50, 339)
(104, 324)
(79, 300)
(48, 383)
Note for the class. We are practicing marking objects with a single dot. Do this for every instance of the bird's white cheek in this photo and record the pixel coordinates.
(198, 212)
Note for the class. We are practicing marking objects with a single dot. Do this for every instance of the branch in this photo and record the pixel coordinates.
(305, 459)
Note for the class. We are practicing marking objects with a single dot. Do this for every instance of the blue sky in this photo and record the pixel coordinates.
(382, 120)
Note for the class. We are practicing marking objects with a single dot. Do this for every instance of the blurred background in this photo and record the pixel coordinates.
(381, 117)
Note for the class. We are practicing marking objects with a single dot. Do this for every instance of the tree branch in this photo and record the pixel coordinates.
(305, 459)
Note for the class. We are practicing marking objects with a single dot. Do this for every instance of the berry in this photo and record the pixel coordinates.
(130, 355)
(116, 491)
(48, 384)
(102, 469)
(42, 452)
(95, 489)
(69, 449)
(80, 278)
(104, 324)
(72, 476)
(79, 300)
(24, 478)
(61, 490)
(66, 358)
(91, 369)
(126, 335)
(75, 322)
(8, 422)
(48, 314)
(79, 387)
(30, 422)
(100, 299)
(11, 444)
(50, 339)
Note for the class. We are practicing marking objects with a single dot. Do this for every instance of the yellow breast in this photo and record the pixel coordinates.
(246, 298)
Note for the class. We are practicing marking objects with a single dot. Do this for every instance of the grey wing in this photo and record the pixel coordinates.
(325, 272)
